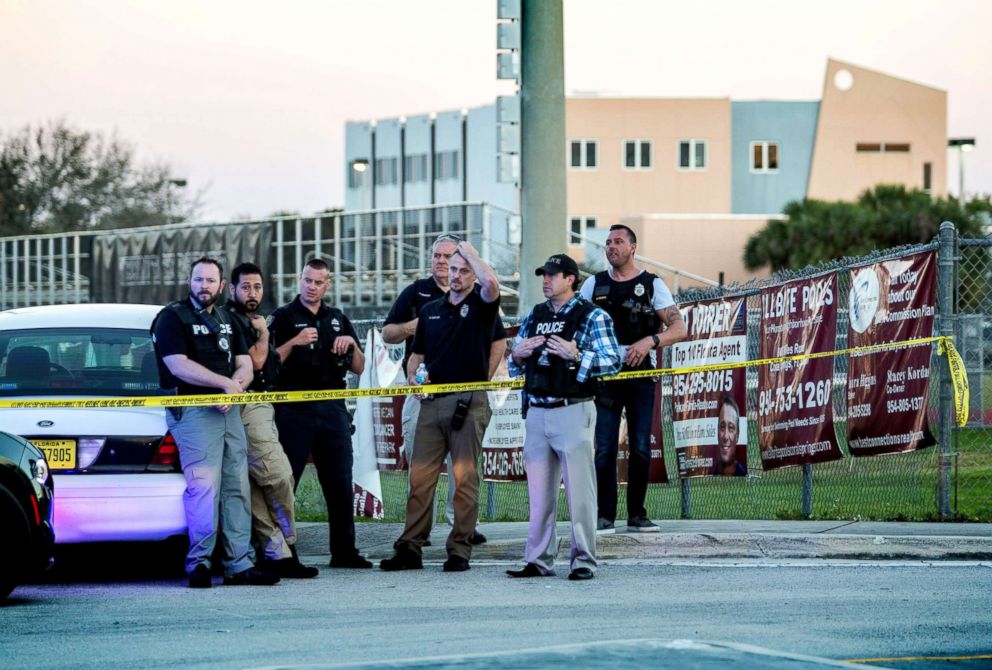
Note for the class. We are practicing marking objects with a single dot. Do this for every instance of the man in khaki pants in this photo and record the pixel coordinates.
(453, 340)
(273, 503)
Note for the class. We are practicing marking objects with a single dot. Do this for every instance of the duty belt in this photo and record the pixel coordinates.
(564, 402)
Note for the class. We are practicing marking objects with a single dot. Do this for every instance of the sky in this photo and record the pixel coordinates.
(247, 100)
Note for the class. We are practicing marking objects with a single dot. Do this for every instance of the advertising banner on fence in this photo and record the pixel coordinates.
(795, 413)
(709, 417)
(657, 472)
(372, 428)
(152, 266)
(503, 443)
(887, 390)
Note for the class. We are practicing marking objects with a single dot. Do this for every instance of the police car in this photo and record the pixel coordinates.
(116, 470)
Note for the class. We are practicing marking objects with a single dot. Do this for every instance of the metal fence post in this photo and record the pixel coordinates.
(945, 291)
(807, 490)
(686, 498)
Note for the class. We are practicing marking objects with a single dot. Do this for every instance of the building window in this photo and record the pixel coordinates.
(927, 177)
(637, 154)
(386, 172)
(764, 156)
(577, 226)
(415, 168)
(582, 155)
(692, 154)
(886, 148)
(446, 165)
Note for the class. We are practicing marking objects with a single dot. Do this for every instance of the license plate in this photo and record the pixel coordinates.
(60, 454)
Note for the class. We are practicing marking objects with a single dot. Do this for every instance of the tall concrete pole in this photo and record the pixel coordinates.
(542, 160)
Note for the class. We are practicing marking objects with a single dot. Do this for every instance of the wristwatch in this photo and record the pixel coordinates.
(656, 340)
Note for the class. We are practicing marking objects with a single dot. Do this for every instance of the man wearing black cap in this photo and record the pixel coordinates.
(561, 347)
(646, 318)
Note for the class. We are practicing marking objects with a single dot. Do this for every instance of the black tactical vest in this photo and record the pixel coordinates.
(264, 379)
(209, 333)
(556, 378)
(629, 303)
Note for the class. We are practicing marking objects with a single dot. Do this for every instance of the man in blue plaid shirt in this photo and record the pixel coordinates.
(561, 347)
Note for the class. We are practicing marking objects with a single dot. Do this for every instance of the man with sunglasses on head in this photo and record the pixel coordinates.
(401, 326)
(645, 318)
(453, 340)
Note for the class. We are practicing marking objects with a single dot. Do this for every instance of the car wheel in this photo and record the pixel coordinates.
(17, 535)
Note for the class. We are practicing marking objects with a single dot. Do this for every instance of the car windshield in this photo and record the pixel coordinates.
(77, 361)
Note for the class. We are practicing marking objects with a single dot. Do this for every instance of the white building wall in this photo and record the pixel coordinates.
(418, 149)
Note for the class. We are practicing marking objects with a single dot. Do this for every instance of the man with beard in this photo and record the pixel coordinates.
(561, 347)
(728, 428)
(453, 340)
(198, 352)
(401, 325)
(273, 503)
(645, 318)
(318, 346)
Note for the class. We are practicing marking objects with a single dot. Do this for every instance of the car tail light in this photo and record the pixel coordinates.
(89, 450)
(166, 457)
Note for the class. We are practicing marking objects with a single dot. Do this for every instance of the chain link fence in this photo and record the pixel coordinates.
(905, 486)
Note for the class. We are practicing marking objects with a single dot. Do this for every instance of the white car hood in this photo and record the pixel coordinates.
(108, 421)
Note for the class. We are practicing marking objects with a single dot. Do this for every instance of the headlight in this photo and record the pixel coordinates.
(39, 469)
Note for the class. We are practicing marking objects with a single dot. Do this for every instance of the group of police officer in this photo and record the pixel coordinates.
(242, 467)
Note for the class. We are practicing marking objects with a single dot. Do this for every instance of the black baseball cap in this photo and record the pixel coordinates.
(562, 263)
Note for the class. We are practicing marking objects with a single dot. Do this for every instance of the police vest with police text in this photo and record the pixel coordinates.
(557, 378)
(210, 335)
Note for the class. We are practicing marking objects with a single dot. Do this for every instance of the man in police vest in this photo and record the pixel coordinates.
(318, 346)
(401, 325)
(645, 318)
(561, 347)
(273, 503)
(198, 352)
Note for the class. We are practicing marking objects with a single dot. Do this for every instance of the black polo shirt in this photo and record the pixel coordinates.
(455, 339)
(413, 299)
(313, 366)
(409, 303)
(172, 336)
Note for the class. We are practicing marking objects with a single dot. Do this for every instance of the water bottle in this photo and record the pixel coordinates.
(421, 376)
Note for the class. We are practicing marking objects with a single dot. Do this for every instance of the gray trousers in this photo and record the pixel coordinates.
(213, 452)
(559, 442)
(411, 412)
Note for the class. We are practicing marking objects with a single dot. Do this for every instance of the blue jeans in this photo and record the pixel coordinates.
(637, 396)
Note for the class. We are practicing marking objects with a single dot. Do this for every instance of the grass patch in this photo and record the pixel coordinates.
(898, 487)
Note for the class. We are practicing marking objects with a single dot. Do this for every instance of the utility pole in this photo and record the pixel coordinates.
(542, 146)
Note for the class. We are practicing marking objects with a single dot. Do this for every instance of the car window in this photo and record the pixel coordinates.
(77, 361)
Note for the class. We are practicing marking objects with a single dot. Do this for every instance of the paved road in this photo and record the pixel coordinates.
(832, 609)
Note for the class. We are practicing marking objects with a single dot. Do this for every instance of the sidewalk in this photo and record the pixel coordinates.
(703, 540)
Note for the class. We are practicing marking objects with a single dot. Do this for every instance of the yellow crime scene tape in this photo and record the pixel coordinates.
(945, 346)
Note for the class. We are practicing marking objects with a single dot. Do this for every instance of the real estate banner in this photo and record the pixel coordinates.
(657, 473)
(795, 413)
(503, 443)
(709, 417)
(891, 301)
